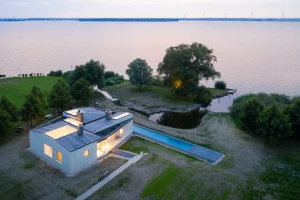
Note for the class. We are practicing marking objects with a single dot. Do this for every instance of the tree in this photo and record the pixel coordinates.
(81, 90)
(38, 93)
(60, 95)
(5, 122)
(7, 106)
(185, 65)
(293, 111)
(92, 71)
(250, 112)
(139, 73)
(274, 124)
(32, 108)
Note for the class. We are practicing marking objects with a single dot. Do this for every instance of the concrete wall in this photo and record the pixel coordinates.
(37, 142)
(79, 162)
(72, 163)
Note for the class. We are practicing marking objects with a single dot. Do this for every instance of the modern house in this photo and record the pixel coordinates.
(76, 140)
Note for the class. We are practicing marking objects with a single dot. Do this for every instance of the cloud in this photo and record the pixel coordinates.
(44, 2)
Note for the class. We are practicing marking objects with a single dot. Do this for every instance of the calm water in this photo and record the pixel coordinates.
(183, 120)
(252, 56)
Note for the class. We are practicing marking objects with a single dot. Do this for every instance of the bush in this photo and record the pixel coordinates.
(274, 124)
(203, 96)
(55, 73)
(249, 113)
(109, 74)
(110, 82)
(220, 85)
(157, 80)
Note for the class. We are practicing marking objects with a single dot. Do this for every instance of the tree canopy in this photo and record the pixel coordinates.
(139, 72)
(92, 71)
(5, 122)
(60, 95)
(274, 124)
(6, 105)
(250, 112)
(38, 93)
(32, 108)
(185, 65)
(81, 90)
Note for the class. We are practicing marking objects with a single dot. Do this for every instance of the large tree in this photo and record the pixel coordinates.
(185, 65)
(5, 122)
(250, 112)
(6, 105)
(92, 71)
(60, 95)
(32, 108)
(38, 93)
(293, 111)
(139, 72)
(274, 124)
(81, 90)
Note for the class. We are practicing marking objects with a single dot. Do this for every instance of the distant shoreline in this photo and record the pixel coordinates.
(150, 19)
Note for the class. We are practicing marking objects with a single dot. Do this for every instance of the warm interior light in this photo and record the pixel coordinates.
(61, 132)
(86, 153)
(59, 157)
(121, 130)
(177, 83)
(73, 121)
(48, 150)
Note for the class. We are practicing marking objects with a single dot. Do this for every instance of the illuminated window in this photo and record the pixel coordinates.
(59, 157)
(48, 150)
(86, 153)
(121, 130)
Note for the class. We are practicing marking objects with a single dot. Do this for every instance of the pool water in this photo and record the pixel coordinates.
(171, 141)
(197, 151)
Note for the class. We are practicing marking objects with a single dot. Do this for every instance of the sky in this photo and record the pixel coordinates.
(149, 8)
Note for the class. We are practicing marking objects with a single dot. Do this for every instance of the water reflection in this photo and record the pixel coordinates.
(221, 105)
(182, 120)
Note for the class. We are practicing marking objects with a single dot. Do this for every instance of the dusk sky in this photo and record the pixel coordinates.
(149, 8)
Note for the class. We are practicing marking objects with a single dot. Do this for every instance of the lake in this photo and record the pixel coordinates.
(252, 56)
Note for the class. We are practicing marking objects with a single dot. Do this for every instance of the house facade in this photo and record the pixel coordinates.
(76, 140)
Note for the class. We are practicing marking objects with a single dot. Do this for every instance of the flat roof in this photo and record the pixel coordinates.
(61, 132)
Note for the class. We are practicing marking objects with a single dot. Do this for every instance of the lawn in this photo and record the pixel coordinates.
(126, 91)
(16, 89)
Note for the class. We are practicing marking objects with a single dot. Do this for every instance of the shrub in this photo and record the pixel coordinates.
(110, 82)
(203, 96)
(249, 113)
(274, 124)
(157, 80)
(220, 85)
(109, 74)
(55, 73)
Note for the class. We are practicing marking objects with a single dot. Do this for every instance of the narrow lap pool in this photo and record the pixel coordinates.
(203, 153)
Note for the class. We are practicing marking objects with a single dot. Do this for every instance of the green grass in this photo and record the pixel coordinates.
(159, 187)
(130, 145)
(126, 91)
(17, 88)
(28, 166)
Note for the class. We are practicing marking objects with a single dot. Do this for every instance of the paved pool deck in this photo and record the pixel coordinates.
(183, 146)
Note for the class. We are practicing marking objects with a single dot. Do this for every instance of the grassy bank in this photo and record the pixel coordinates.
(126, 91)
(16, 89)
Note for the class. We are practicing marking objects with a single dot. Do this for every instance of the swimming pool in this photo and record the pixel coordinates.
(203, 153)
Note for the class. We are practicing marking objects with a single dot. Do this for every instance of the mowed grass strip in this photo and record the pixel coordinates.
(16, 89)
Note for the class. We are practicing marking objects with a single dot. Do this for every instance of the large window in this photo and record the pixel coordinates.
(59, 156)
(86, 153)
(48, 150)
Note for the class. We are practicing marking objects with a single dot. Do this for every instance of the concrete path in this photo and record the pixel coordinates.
(109, 177)
(105, 94)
